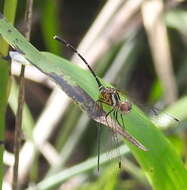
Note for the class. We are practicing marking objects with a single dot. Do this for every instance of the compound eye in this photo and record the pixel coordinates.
(125, 106)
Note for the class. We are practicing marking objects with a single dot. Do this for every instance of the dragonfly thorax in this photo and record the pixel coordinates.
(109, 96)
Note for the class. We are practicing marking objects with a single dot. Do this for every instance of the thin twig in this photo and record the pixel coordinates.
(28, 20)
(17, 140)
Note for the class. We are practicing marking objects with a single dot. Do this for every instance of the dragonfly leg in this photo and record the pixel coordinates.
(116, 116)
(122, 120)
(109, 113)
(101, 101)
(118, 96)
(106, 116)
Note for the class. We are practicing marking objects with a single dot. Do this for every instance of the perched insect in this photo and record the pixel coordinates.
(109, 96)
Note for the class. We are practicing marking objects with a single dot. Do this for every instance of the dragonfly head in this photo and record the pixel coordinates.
(125, 107)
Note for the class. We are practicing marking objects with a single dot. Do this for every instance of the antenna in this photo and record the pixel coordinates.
(68, 45)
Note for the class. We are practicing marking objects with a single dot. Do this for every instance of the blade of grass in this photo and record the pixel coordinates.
(178, 110)
(10, 15)
(58, 178)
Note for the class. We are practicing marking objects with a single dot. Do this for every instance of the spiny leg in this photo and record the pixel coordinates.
(122, 120)
(117, 94)
(106, 116)
(109, 113)
(121, 115)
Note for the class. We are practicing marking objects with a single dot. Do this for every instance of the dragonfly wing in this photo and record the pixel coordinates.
(98, 110)
(115, 137)
(119, 130)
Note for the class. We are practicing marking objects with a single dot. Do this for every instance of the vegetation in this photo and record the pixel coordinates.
(137, 45)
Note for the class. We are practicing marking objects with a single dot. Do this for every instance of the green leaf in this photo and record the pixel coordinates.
(10, 15)
(161, 164)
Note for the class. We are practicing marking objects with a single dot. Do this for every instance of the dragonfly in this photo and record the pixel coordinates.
(109, 96)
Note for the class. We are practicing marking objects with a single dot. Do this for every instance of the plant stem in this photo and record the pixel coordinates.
(21, 97)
